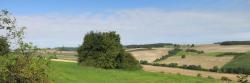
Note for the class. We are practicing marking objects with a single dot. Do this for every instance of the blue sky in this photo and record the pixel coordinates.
(53, 23)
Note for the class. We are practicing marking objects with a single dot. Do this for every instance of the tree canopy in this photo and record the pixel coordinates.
(103, 49)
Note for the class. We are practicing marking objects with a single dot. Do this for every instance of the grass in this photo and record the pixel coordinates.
(72, 73)
(241, 61)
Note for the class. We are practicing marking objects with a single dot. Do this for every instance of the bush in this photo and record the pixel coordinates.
(225, 79)
(215, 69)
(192, 67)
(242, 78)
(144, 62)
(195, 51)
(174, 51)
(104, 50)
(198, 75)
(183, 56)
(210, 77)
(4, 46)
(23, 69)
(173, 65)
(127, 61)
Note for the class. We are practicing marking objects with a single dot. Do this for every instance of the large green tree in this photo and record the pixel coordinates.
(103, 49)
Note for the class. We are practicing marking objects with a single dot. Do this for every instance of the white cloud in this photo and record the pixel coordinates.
(136, 26)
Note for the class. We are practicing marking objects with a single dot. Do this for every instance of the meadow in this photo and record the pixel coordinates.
(63, 72)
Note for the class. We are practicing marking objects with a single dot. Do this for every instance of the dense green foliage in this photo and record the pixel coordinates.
(195, 51)
(4, 46)
(240, 64)
(156, 45)
(103, 49)
(234, 43)
(22, 65)
(72, 73)
(23, 69)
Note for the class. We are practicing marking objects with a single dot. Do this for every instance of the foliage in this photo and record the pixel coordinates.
(234, 43)
(66, 48)
(64, 72)
(4, 46)
(242, 78)
(23, 69)
(240, 64)
(223, 78)
(173, 52)
(192, 45)
(183, 56)
(198, 75)
(104, 50)
(127, 61)
(156, 45)
(23, 65)
(215, 69)
(195, 51)
(144, 62)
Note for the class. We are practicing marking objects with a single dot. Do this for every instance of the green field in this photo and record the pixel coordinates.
(240, 61)
(63, 72)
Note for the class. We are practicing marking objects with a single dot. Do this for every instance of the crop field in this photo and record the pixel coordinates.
(206, 62)
(150, 55)
(64, 72)
(220, 48)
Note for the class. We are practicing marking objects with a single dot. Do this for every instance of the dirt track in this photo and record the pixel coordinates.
(177, 71)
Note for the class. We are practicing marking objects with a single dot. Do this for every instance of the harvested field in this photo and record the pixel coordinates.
(150, 55)
(221, 48)
(206, 62)
(189, 72)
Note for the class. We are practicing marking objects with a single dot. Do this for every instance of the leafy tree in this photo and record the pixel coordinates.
(23, 65)
(103, 49)
(4, 46)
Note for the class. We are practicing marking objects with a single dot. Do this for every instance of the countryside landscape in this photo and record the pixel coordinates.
(129, 41)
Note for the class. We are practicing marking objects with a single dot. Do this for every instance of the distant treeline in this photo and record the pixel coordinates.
(156, 45)
(66, 48)
(234, 43)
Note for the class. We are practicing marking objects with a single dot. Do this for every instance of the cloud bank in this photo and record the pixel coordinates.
(138, 26)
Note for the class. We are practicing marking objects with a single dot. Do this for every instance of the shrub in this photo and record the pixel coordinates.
(104, 50)
(4, 46)
(214, 69)
(193, 67)
(23, 69)
(174, 51)
(173, 65)
(183, 56)
(127, 61)
(223, 78)
(195, 51)
(242, 78)
(198, 75)
(210, 77)
(144, 62)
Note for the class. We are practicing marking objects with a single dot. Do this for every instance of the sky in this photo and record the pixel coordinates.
(52, 23)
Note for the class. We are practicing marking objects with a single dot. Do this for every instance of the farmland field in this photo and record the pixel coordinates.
(64, 72)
